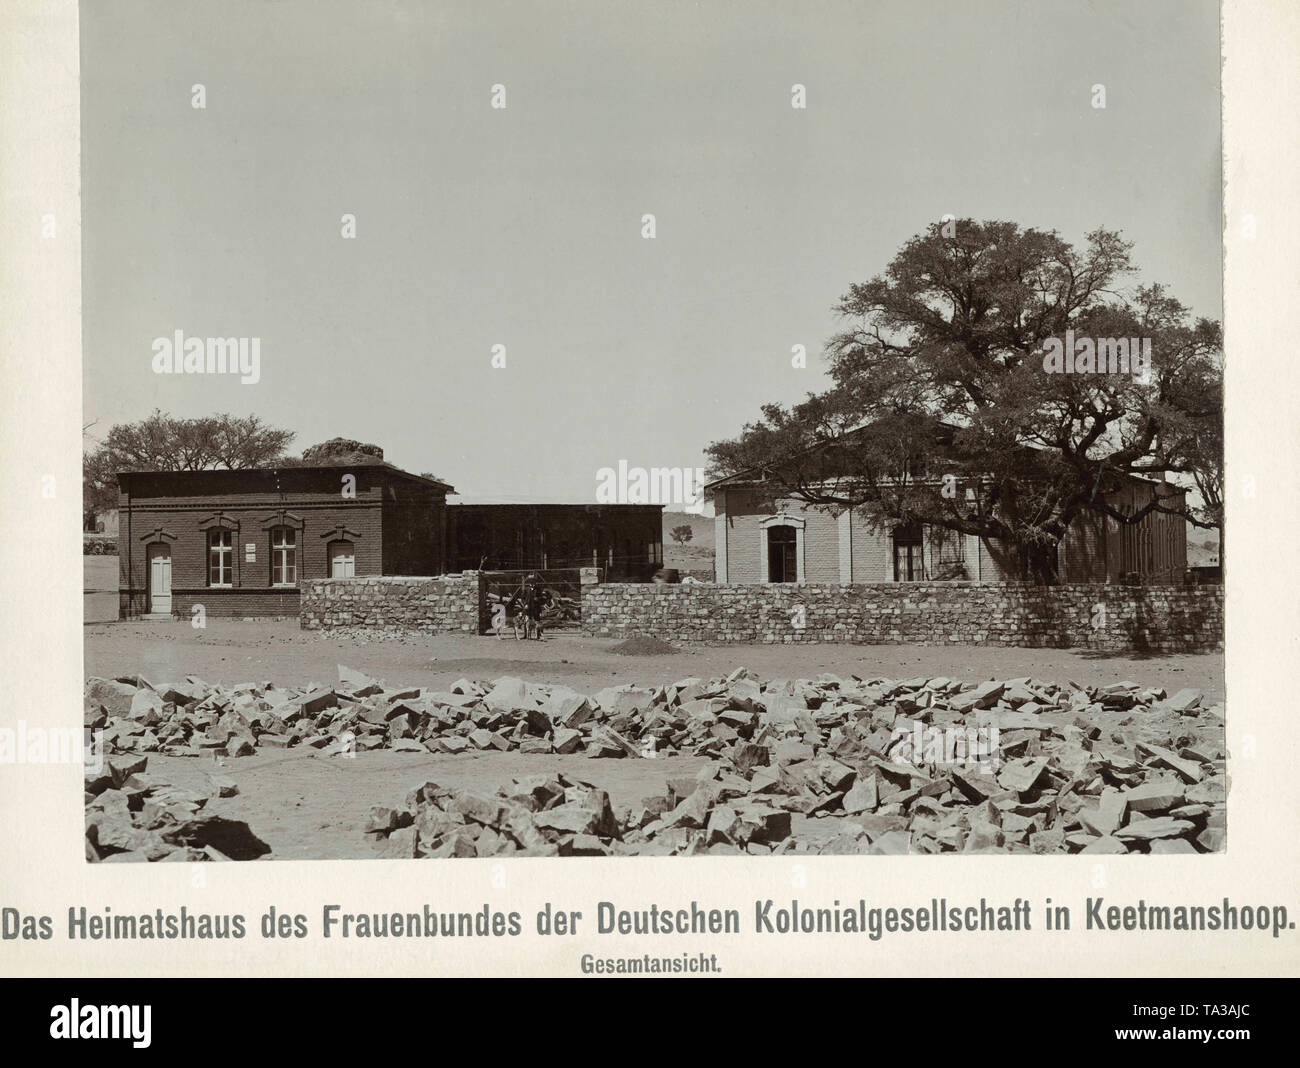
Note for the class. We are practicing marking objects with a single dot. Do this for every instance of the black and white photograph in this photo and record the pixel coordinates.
(698, 488)
(657, 432)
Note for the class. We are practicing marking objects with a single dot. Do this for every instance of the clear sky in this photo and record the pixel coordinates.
(522, 227)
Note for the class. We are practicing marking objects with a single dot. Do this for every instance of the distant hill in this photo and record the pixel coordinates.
(696, 554)
(701, 529)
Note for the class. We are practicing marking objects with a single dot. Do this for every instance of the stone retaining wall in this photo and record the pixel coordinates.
(1165, 619)
(436, 605)
(1108, 617)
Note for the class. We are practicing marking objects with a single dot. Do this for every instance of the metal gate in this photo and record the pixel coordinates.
(564, 611)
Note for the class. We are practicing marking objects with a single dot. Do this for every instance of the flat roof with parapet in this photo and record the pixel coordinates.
(340, 466)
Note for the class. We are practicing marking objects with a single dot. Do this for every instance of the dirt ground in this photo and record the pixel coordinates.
(232, 651)
(312, 807)
(307, 806)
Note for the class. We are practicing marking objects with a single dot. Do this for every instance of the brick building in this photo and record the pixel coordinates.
(762, 538)
(625, 541)
(239, 542)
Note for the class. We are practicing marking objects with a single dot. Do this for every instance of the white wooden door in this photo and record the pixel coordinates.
(342, 560)
(160, 578)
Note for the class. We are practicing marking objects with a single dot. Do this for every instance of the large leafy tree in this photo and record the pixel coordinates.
(165, 443)
(941, 410)
(341, 450)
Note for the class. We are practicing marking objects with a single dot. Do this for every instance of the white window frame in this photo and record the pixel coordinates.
(781, 520)
(221, 546)
(284, 556)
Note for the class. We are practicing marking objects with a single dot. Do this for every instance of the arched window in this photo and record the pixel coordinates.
(284, 556)
(342, 559)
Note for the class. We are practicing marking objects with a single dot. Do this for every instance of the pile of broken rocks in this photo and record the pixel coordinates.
(830, 766)
(823, 765)
(194, 718)
(131, 816)
(556, 815)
